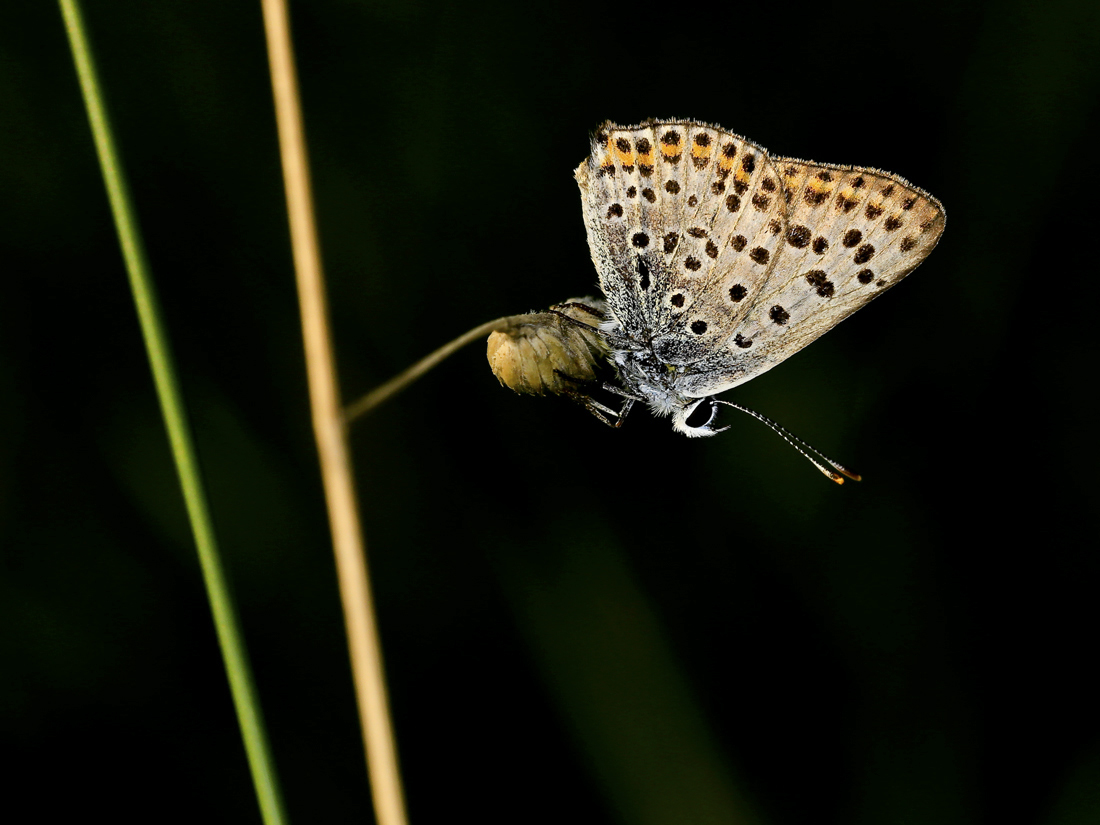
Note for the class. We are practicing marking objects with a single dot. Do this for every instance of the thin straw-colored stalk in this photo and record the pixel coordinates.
(376, 396)
(179, 430)
(330, 431)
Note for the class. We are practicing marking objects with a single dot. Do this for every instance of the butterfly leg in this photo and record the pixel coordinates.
(614, 339)
(608, 416)
(604, 413)
(596, 314)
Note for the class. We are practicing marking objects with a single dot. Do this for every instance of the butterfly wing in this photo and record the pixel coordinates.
(851, 234)
(684, 224)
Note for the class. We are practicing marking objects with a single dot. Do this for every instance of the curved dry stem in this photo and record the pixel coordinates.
(331, 434)
(376, 396)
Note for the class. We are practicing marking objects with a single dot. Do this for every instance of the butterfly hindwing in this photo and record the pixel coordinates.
(852, 233)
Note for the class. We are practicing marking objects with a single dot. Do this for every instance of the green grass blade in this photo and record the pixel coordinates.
(175, 418)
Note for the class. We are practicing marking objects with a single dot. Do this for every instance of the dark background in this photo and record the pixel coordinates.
(580, 624)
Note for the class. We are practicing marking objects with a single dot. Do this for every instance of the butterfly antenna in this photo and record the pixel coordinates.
(805, 449)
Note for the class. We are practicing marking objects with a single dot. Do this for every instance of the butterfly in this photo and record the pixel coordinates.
(719, 261)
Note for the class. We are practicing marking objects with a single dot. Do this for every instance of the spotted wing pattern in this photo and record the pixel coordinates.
(685, 222)
(852, 233)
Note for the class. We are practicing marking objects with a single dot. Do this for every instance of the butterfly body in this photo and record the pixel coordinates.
(719, 261)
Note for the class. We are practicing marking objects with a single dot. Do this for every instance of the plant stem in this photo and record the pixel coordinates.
(330, 432)
(396, 384)
(179, 429)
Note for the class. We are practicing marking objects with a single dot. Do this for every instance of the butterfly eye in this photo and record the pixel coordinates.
(702, 415)
(696, 419)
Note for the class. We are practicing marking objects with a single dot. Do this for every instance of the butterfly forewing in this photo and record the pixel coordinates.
(608, 219)
(684, 221)
(727, 241)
